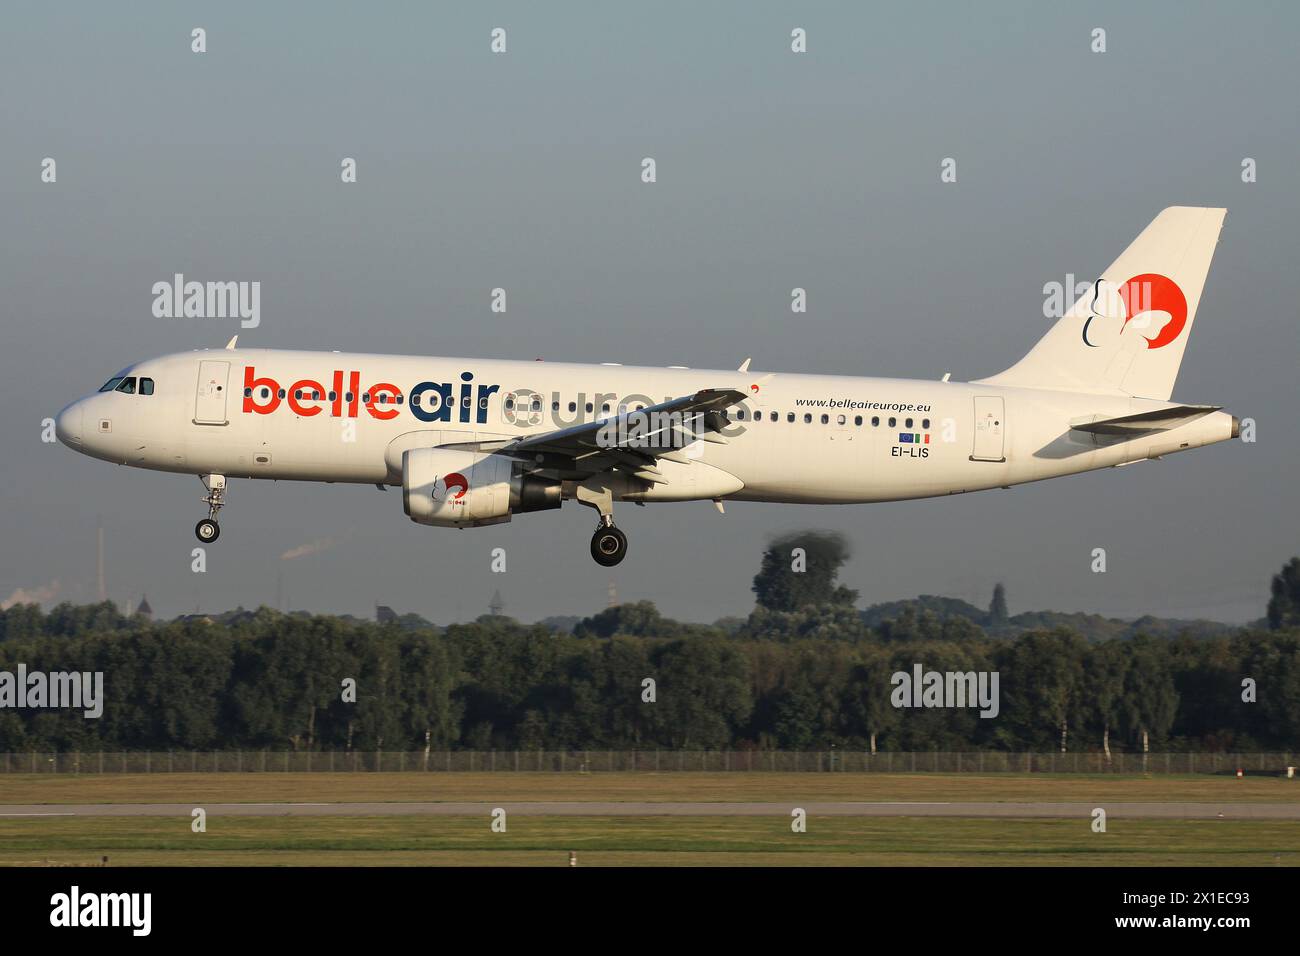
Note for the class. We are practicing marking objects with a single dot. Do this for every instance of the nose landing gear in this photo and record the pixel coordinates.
(208, 530)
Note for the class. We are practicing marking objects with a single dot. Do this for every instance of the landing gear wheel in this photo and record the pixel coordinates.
(208, 530)
(608, 546)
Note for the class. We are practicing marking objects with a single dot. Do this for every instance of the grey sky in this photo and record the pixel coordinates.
(522, 170)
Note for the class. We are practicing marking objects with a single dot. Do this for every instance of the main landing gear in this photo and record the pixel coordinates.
(608, 544)
(208, 530)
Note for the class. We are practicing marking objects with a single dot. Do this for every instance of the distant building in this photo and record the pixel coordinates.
(144, 610)
(385, 614)
(496, 605)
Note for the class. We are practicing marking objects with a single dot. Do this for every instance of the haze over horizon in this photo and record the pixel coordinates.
(522, 171)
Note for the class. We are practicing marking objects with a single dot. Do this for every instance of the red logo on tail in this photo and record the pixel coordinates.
(1150, 292)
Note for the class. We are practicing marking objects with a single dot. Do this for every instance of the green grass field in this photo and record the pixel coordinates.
(644, 841)
(650, 840)
(697, 787)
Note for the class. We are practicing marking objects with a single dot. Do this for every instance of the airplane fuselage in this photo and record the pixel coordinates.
(346, 417)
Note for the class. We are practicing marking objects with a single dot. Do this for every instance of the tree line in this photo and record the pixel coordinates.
(270, 680)
(804, 671)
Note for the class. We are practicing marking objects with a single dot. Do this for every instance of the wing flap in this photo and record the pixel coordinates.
(618, 432)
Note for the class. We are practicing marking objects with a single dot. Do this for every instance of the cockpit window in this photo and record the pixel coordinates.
(127, 386)
(112, 383)
(146, 386)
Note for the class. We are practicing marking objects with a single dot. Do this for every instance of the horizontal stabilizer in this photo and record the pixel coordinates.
(1162, 419)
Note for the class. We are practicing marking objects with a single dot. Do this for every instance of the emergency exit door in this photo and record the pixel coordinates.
(210, 400)
(990, 429)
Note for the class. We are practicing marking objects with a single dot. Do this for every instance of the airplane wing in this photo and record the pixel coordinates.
(631, 441)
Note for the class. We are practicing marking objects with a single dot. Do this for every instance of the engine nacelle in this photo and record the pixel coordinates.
(454, 488)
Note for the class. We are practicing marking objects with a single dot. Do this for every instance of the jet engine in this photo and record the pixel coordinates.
(457, 488)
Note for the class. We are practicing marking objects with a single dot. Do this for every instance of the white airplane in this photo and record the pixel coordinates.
(473, 442)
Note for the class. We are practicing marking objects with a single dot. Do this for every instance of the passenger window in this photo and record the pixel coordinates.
(127, 387)
(146, 386)
(573, 406)
(908, 423)
(333, 396)
(789, 416)
(510, 403)
(589, 407)
(297, 394)
(825, 419)
(875, 421)
(893, 422)
(740, 414)
(840, 419)
(807, 418)
(925, 423)
(281, 393)
(857, 419)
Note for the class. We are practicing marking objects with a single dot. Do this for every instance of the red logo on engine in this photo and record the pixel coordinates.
(442, 488)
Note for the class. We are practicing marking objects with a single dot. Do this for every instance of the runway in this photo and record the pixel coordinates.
(1130, 811)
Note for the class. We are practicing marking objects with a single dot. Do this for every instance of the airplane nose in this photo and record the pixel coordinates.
(68, 424)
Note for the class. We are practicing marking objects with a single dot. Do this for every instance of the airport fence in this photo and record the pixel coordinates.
(647, 761)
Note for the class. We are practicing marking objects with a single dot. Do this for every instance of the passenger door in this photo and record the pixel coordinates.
(210, 399)
(990, 428)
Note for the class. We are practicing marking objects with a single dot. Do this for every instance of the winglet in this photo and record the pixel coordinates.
(231, 343)
(744, 366)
